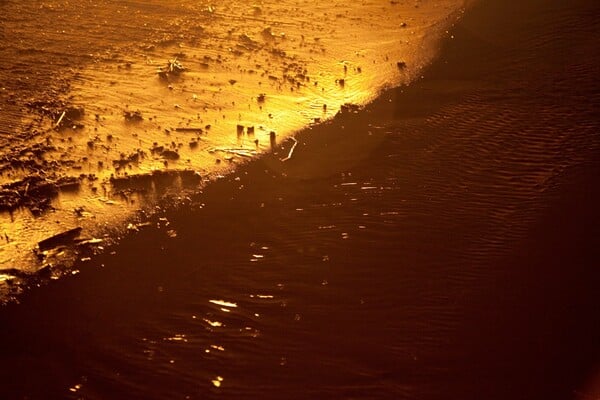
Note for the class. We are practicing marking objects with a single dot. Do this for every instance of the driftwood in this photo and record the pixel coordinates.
(244, 152)
(291, 150)
(197, 130)
(63, 238)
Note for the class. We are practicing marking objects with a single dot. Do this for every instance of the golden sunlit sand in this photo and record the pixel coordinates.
(192, 86)
(299, 199)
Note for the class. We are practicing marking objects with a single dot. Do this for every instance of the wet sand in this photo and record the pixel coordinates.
(440, 243)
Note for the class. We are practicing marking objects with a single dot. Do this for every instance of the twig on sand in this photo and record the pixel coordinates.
(198, 130)
(60, 119)
(291, 150)
(240, 151)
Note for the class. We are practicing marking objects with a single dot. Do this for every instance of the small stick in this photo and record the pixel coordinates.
(291, 150)
(240, 151)
(189, 130)
(60, 119)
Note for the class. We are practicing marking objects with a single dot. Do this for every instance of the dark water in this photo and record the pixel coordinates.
(441, 244)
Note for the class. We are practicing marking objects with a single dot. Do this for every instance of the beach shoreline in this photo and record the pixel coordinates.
(108, 126)
(439, 242)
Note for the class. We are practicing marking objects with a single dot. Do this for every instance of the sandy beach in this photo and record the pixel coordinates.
(439, 240)
(102, 117)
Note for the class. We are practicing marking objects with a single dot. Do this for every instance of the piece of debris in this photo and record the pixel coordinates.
(349, 108)
(89, 242)
(133, 116)
(267, 33)
(125, 159)
(67, 183)
(173, 68)
(247, 43)
(170, 155)
(172, 233)
(291, 150)
(61, 239)
(196, 130)
(244, 152)
(69, 116)
(34, 192)
(60, 119)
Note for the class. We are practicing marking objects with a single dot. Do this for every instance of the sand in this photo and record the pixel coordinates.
(439, 243)
(96, 128)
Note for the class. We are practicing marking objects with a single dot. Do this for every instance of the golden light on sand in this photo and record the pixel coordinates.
(205, 95)
(340, 199)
